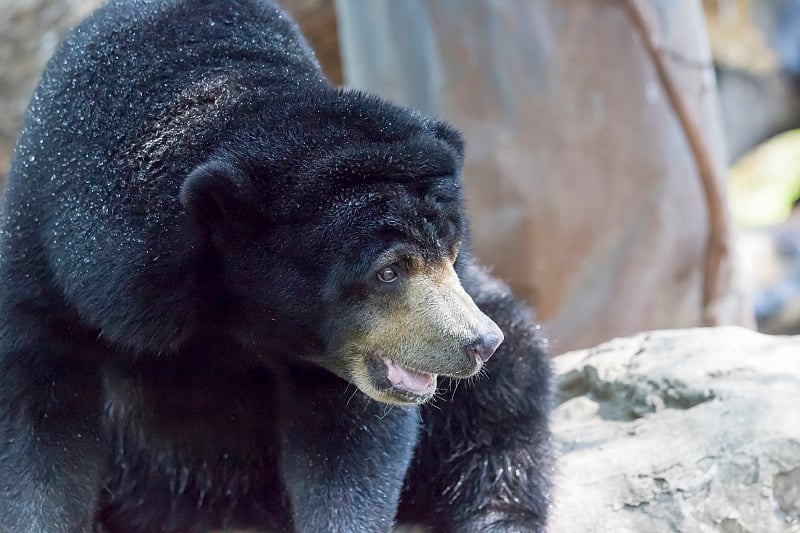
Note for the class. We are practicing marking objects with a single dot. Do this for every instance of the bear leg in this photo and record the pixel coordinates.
(343, 455)
(51, 445)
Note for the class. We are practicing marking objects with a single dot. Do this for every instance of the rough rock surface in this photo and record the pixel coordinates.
(680, 431)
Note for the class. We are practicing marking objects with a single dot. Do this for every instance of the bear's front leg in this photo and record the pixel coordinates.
(51, 449)
(343, 455)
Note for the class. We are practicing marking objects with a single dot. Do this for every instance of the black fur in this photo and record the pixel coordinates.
(190, 205)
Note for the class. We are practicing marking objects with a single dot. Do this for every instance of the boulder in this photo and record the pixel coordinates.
(679, 431)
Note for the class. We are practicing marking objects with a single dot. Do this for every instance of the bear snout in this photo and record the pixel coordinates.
(483, 347)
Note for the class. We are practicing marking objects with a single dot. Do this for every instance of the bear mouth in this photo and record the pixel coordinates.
(404, 383)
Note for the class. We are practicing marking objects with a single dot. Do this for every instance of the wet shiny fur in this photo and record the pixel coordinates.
(190, 234)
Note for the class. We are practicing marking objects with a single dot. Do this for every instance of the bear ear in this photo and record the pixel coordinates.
(447, 133)
(213, 192)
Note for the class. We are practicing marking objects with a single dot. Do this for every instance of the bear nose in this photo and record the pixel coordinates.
(485, 345)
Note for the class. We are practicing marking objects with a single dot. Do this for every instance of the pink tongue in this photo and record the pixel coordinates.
(415, 382)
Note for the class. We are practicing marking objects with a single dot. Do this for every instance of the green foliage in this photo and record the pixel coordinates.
(765, 183)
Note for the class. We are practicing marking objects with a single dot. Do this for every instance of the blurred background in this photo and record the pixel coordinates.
(631, 164)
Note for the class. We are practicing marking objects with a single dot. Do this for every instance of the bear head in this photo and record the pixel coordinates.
(337, 245)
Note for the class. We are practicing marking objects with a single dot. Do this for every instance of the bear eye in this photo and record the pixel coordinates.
(388, 274)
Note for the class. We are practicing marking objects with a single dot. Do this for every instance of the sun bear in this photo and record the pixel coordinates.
(235, 296)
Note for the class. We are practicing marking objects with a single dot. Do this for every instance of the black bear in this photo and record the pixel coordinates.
(236, 296)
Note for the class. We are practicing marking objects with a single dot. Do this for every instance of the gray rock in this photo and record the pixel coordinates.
(680, 431)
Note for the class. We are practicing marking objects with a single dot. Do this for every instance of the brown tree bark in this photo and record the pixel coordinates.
(718, 251)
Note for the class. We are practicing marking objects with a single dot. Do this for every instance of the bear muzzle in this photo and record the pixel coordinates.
(429, 328)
